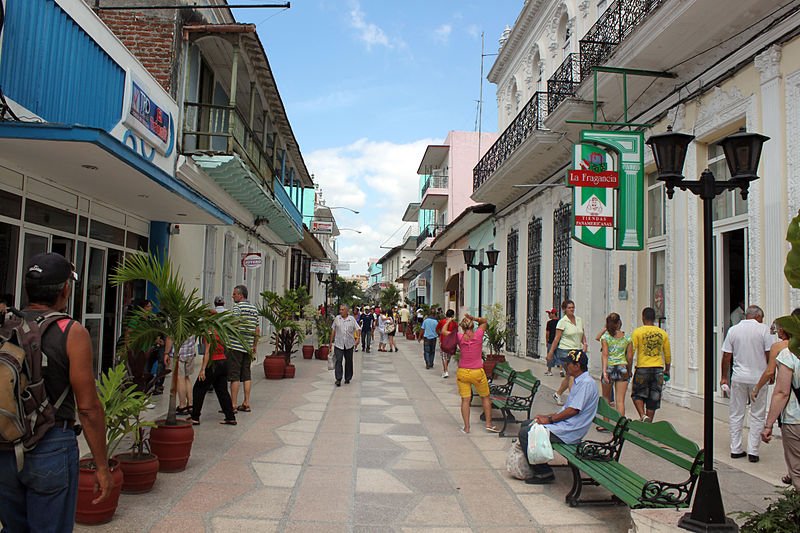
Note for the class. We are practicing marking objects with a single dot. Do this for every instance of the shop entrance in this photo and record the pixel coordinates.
(730, 280)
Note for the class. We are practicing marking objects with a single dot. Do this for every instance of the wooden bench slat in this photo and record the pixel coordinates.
(653, 437)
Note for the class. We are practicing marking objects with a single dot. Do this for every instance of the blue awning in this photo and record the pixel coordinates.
(93, 162)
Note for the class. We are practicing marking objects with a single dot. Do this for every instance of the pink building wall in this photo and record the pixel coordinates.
(462, 158)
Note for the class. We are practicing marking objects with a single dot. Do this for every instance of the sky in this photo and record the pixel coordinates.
(368, 85)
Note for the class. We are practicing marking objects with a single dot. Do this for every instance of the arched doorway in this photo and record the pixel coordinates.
(453, 294)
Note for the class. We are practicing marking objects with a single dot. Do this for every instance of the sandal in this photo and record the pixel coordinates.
(492, 429)
(601, 429)
(228, 422)
(193, 421)
(243, 408)
(787, 480)
(182, 410)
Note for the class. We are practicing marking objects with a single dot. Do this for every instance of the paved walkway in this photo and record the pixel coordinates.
(383, 453)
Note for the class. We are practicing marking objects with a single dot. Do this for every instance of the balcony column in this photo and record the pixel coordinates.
(252, 105)
(232, 100)
(264, 133)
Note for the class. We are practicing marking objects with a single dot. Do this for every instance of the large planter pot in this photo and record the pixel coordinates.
(308, 351)
(500, 358)
(87, 512)
(488, 367)
(139, 472)
(409, 334)
(172, 445)
(274, 366)
(289, 371)
(322, 352)
(402, 327)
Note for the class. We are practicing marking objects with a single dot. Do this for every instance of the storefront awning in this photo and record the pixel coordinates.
(234, 176)
(91, 161)
(311, 245)
(471, 218)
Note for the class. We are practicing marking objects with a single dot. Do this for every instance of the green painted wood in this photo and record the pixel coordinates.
(526, 380)
(653, 437)
(503, 370)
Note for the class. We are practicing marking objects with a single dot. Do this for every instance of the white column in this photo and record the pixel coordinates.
(773, 177)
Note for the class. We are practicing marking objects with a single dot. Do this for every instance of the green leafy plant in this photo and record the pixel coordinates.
(495, 328)
(324, 327)
(782, 515)
(180, 314)
(791, 323)
(123, 406)
(389, 297)
(283, 312)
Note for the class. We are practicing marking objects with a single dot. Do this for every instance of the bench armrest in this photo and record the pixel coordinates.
(599, 451)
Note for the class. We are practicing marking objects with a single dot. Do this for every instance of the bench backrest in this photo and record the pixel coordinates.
(504, 371)
(607, 417)
(654, 436)
(526, 380)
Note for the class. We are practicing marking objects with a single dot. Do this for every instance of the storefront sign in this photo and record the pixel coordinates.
(340, 267)
(252, 260)
(322, 226)
(589, 178)
(422, 283)
(593, 212)
(629, 145)
(322, 267)
(151, 121)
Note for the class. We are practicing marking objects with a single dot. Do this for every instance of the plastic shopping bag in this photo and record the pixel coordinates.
(540, 450)
(516, 462)
(332, 360)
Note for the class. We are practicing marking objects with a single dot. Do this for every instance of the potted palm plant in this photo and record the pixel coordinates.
(283, 313)
(310, 314)
(324, 327)
(181, 314)
(495, 337)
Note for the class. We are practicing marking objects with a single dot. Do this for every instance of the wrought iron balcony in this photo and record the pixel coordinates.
(429, 231)
(437, 180)
(614, 25)
(564, 81)
(530, 119)
(221, 129)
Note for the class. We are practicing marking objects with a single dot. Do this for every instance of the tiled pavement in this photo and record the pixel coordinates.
(383, 454)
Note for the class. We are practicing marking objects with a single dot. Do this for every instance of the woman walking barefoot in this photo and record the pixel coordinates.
(470, 370)
(617, 353)
(569, 336)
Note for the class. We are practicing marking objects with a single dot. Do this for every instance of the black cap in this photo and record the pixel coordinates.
(50, 269)
(578, 357)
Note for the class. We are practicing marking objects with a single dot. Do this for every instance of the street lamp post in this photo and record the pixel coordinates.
(742, 153)
(491, 257)
(320, 279)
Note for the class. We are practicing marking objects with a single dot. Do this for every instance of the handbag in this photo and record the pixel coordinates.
(517, 463)
(450, 342)
(540, 450)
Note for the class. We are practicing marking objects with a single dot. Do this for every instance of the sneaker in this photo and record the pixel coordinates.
(548, 373)
(151, 405)
(557, 399)
(562, 373)
(646, 419)
(446, 375)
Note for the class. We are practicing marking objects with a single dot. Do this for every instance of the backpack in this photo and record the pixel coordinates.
(26, 413)
(450, 341)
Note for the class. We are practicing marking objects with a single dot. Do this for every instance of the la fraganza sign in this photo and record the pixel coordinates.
(593, 179)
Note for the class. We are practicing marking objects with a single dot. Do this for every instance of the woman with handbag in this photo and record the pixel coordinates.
(470, 370)
(391, 328)
(447, 347)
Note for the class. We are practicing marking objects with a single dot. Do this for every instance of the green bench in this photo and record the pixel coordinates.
(507, 401)
(600, 461)
(504, 372)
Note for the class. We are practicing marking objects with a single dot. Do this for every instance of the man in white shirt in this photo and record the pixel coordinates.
(343, 339)
(747, 344)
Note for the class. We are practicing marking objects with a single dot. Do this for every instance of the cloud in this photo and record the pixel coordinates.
(368, 32)
(334, 100)
(442, 33)
(378, 178)
(473, 31)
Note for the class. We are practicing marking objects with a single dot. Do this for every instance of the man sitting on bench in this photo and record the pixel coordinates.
(571, 424)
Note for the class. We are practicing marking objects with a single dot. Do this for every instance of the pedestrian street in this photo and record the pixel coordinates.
(383, 453)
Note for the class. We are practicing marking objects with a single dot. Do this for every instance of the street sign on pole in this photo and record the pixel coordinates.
(593, 179)
(323, 267)
(322, 227)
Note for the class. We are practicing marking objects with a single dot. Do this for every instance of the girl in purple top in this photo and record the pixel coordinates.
(470, 370)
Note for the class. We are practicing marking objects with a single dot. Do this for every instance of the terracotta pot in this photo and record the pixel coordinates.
(322, 352)
(308, 351)
(488, 367)
(86, 512)
(289, 371)
(496, 357)
(402, 327)
(140, 472)
(274, 366)
(172, 445)
(410, 334)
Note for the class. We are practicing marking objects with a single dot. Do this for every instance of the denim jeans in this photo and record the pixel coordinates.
(366, 339)
(429, 347)
(43, 496)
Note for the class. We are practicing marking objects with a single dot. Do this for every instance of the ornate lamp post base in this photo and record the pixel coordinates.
(708, 512)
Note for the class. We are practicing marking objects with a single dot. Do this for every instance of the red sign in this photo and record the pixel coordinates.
(587, 178)
(596, 221)
(252, 260)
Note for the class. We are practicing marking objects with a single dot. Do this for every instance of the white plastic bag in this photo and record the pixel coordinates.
(540, 450)
(332, 360)
(517, 463)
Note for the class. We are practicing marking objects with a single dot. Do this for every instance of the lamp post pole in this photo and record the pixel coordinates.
(491, 257)
(742, 154)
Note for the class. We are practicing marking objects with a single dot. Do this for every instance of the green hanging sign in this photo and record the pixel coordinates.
(594, 180)
(628, 147)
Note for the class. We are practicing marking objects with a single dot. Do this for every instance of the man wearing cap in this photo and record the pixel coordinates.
(573, 421)
(550, 329)
(36, 499)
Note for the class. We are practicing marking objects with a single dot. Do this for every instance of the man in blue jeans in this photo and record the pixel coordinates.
(573, 421)
(366, 321)
(43, 495)
(429, 338)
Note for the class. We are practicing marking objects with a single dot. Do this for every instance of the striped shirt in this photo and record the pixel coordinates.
(249, 315)
(344, 332)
